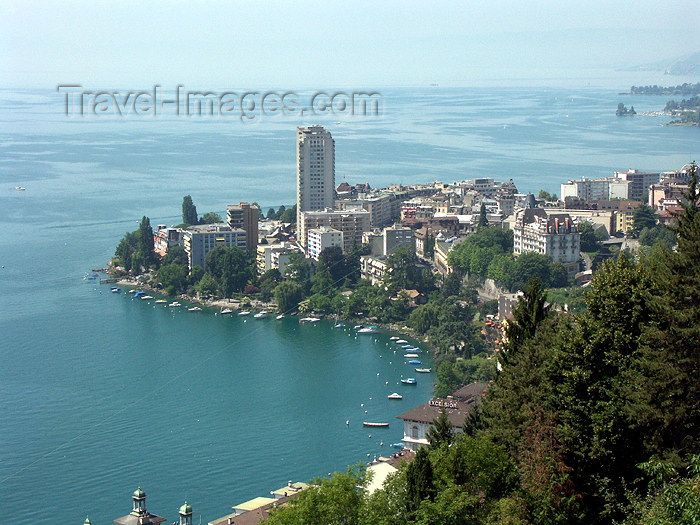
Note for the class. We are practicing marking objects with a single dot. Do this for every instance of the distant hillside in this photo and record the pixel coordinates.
(685, 65)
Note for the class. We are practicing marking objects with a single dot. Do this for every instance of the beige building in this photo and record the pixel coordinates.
(351, 222)
(554, 235)
(245, 217)
(315, 154)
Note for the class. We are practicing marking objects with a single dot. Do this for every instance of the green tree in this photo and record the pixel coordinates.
(660, 234)
(289, 215)
(440, 432)
(210, 218)
(230, 267)
(528, 314)
(338, 500)
(174, 278)
(280, 212)
(530, 265)
(643, 217)
(189, 211)
(589, 241)
(175, 255)
(271, 214)
(207, 286)
(420, 485)
(288, 294)
(483, 219)
(429, 247)
(145, 242)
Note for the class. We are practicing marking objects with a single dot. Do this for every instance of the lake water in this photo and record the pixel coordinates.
(100, 392)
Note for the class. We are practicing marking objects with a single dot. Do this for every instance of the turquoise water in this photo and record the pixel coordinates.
(100, 392)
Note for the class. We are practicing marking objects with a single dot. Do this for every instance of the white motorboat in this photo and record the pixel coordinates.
(225, 311)
(280, 316)
(194, 309)
(174, 304)
(395, 395)
(401, 341)
(245, 312)
(261, 315)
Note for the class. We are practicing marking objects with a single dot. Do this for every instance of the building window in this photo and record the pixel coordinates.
(414, 432)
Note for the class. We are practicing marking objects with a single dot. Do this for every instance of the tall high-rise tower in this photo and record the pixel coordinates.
(315, 170)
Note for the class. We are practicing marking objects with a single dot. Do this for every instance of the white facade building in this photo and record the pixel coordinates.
(315, 154)
(351, 222)
(322, 238)
(554, 235)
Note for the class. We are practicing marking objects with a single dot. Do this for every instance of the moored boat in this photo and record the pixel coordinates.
(393, 338)
(305, 320)
(225, 311)
(194, 309)
(395, 395)
(410, 355)
(261, 315)
(368, 330)
(371, 424)
(245, 312)
(115, 289)
(414, 362)
(409, 381)
(161, 301)
(174, 304)
(397, 445)
(280, 316)
(424, 370)
(401, 341)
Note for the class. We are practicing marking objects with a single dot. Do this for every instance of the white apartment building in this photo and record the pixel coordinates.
(200, 240)
(271, 256)
(596, 189)
(554, 235)
(315, 152)
(322, 238)
(351, 222)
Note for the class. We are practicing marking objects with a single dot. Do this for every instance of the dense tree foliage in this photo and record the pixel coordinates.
(189, 211)
(135, 250)
(643, 217)
(210, 218)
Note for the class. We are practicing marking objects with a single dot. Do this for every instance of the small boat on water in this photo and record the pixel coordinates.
(401, 341)
(280, 316)
(90, 277)
(245, 312)
(409, 381)
(410, 355)
(115, 289)
(146, 297)
(393, 338)
(304, 320)
(139, 294)
(414, 362)
(368, 330)
(174, 304)
(261, 315)
(161, 301)
(424, 370)
(225, 311)
(339, 325)
(20, 188)
(194, 309)
(132, 291)
(370, 424)
(397, 445)
(395, 395)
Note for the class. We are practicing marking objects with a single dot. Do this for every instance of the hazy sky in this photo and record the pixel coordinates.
(304, 43)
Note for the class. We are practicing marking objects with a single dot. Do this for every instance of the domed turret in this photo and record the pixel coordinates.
(185, 514)
(139, 494)
(87, 521)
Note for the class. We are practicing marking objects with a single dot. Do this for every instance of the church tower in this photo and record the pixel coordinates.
(185, 513)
